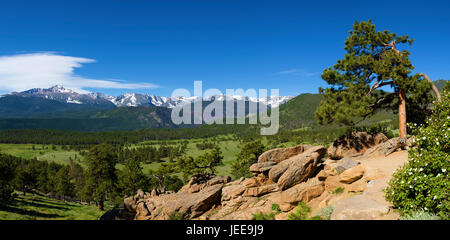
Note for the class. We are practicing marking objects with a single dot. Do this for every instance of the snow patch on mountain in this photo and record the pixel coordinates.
(59, 93)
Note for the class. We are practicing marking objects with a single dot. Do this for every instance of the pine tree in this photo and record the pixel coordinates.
(63, 185)
(132, 177)
(372, 61)
(7, 172)
(203, 165)
(164, 171)
(246, 157)
(101, 176)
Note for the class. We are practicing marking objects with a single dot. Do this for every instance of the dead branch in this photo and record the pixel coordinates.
(433, 87)
(377, 84)
(393, 46)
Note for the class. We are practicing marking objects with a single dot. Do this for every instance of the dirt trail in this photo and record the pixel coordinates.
(385, 167)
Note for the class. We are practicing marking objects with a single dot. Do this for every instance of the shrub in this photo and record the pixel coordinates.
(264, 216)
(268, 216)
(422, 183)
(420, 215)
(301, 213)
(325, 212)
(245, 158)
(276, 208)
(338, 190)
(179, 216)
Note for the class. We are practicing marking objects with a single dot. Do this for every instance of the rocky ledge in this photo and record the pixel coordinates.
(349, 180)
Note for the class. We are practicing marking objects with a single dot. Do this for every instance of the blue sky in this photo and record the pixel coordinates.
(157, 46)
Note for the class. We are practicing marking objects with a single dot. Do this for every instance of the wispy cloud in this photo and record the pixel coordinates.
(44, 69)
(298, 72)
(288, 71)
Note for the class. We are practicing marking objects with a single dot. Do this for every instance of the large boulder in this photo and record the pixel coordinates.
(232, 191)
(345, 164)
(357, 187)
(280, 154)
(355, 143)
(352, 174)
(200, 195)
(332, 182)
(250, 182)
(192, 204)
(386, 147)
(130, 204)
(313, 153)
(304, 191)
(259, 191)
(218, 180)
(142, 212)
(197, 183)
(358, 208)
(300, 167)
(262, 167)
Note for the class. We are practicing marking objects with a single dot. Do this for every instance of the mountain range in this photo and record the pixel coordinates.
(61, 94)
(64, 109)
(60, 108)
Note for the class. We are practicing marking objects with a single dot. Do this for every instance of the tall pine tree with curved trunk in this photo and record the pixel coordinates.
(372, 61)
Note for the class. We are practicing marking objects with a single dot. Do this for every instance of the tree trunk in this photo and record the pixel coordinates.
(101, 205)
(433, 87)
(402, 114)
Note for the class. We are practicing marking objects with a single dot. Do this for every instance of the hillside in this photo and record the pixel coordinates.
(440, 84)
(24, 107)
(299, 111)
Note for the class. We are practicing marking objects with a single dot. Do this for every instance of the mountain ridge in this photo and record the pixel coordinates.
(61, 94)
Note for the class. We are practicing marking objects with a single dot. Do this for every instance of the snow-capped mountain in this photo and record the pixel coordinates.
(61, 94)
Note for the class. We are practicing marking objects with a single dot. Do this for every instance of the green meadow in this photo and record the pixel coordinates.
(230, 148)
(36, 207)
(41, 152)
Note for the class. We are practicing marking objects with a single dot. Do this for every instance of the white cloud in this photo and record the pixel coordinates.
(288, 71)
(299, 72)
(40, 70)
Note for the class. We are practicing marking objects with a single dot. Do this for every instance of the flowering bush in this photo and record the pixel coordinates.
(423, 183)
(420, 215)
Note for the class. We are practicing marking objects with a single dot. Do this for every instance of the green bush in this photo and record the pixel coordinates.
(268, 216)
(420, 215)
(245, 158)
(423, 183)
(325, 212)
(301, 213)
(264, 216)
(276, 208)
(179, 216)
(338, 190)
